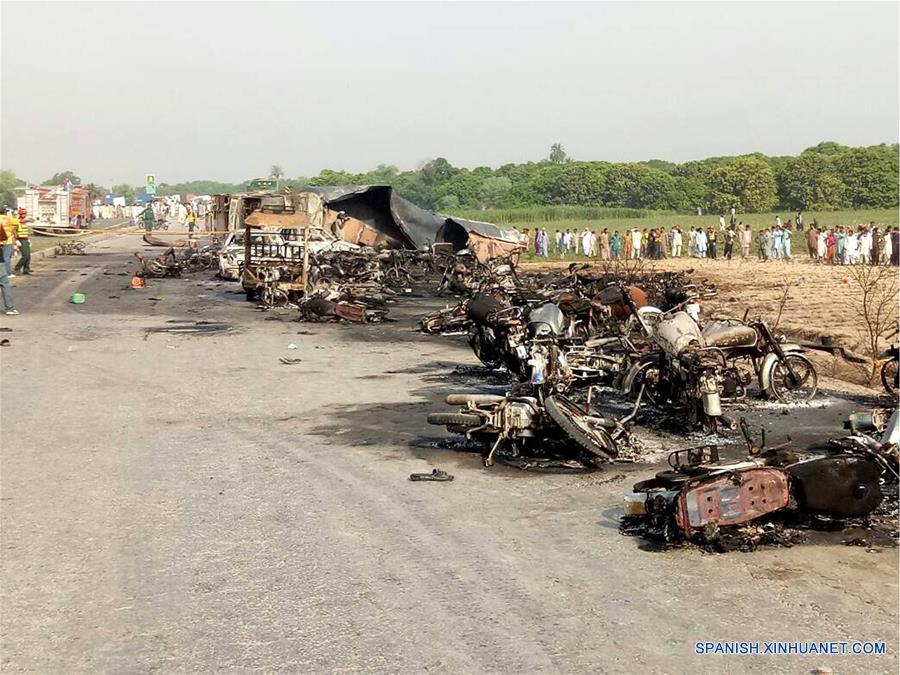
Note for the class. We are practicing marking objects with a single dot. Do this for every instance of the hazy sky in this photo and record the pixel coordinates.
(224, 90)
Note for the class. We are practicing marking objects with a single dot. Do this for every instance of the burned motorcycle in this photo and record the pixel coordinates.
(534, 425)
(887, 363)
(700, 494)
(695, 370)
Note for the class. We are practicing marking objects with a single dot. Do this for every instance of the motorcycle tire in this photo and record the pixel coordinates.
(890, 374)
(595, 440)
(799, 392)
(454, 419)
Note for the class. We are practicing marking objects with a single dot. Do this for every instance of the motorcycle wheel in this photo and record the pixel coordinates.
(594, 439)
(799, 391)
(890, 376)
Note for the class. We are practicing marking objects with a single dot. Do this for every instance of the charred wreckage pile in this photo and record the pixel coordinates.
(589, 354)
(574, 343)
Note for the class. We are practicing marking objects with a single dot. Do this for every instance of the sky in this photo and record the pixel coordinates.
(222, 91)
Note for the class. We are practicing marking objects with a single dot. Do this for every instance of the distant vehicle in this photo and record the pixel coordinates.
(261, 184)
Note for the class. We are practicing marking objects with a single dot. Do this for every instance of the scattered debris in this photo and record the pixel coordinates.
(290, 362)
(438, 475)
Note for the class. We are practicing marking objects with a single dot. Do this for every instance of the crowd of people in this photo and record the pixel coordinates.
(844, 245)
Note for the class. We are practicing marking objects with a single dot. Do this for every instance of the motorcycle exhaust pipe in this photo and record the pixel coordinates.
(477, 399)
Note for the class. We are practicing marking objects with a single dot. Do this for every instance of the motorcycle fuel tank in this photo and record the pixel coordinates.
(729, 334)
(678, 332)
(546, 319)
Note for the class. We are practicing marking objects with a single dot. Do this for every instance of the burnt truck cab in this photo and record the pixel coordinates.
(276, 231)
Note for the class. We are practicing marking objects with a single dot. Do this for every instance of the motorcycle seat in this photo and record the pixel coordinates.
(729, 334)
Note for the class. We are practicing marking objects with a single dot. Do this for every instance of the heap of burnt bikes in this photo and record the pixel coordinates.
(740, 504)
(575, 341)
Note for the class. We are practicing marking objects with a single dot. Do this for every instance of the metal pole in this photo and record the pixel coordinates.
(306, 257)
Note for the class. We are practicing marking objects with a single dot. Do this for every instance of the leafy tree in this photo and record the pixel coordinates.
(95, 191)
(276, 172)
(384, 174)
(465, 187)
(494, 190)
(447, 203)
(870, 175)
(558, 154)
(60, 179)
(811, 181)
(436, 171)
(579, 183)
(747, 183)
(126, 191)
(827, 148)
(8, 184)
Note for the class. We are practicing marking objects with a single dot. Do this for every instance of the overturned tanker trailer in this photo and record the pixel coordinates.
(376, 216)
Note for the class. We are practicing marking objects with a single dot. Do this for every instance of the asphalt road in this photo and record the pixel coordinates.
(183, 501)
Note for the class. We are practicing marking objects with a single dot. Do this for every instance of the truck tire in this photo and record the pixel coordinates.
(454, 419)
(595, 440)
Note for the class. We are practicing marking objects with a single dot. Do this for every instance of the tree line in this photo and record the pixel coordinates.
(828, 176)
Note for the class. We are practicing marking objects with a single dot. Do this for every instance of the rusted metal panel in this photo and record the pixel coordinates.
(350, 311)
(290, 221)
(733, 498)
(486, 248)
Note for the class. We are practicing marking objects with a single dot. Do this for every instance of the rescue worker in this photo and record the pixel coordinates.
(191, 221)
(149, 218)
(23, 236)
(9, 225)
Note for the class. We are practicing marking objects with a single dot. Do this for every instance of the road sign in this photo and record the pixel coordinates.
(150, 188)
(151, 179)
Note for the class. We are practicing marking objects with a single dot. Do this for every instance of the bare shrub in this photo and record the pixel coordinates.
(874, 304)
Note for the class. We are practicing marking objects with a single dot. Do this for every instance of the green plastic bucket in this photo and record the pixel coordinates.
(77, 298)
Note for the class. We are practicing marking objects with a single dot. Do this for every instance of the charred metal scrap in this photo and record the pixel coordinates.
(590, 336)
(740, 504)
(173, 262)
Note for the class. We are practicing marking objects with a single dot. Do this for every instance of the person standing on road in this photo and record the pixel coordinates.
(8, 239)
(558, 239)
(762, 244)
(712, 239)
(786, 242)
(732, 217)
(6, 291)
(729, 243)
(149, 219)
(636, 244)
(604, 244)
(23, 236)
(830, 241)
(746, 237)
(676, 242)
(840, 245)
(701, 243)
(812, 237)
(721, 224)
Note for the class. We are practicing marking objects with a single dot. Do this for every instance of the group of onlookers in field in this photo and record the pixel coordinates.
(844, 245)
